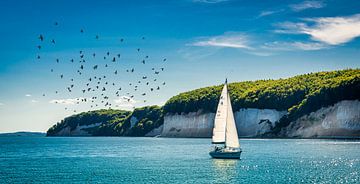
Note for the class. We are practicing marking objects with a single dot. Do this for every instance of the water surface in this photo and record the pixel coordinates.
(168, 160)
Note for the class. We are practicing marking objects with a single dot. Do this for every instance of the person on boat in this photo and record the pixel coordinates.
(217, 148)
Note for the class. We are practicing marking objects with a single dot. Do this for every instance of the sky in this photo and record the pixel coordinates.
(203, 42)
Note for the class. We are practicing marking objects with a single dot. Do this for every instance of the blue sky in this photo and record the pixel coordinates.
(204, 41)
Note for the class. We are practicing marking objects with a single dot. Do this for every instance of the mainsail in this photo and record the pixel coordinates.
(220, 118)
(224, 126)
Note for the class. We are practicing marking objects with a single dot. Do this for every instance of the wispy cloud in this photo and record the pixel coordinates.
(34, 101)
(268, 13)
(307, 5)
(125, 102)
(292, 46)
(209, 1)
(28, 95)
(69, 101)
(227, 40)
(2, 104)
(329, 30)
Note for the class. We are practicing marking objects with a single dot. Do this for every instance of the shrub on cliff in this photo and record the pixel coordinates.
(149, 117)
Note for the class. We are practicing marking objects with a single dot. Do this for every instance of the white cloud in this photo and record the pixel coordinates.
(34, 101)
(125, 102)
(209, 1)
(262, 53)
(191, 54)
(329, 30)
(291, 46)
(229, 40)
(69, 101)
(307, 5)
(268, 13)
(28, 95)
(2, 104)
(309, 45)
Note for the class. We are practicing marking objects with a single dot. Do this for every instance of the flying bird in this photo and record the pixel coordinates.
(41, 37)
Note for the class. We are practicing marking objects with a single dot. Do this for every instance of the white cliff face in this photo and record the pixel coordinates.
(253, 122)
(249, 122)
(78, 131)
(339, 120)
(194, 124)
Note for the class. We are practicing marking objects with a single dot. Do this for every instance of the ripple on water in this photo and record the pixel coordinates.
(151, 160)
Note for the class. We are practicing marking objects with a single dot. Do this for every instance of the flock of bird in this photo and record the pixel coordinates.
(92, 75)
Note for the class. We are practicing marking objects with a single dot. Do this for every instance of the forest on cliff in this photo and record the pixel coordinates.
(298, 95)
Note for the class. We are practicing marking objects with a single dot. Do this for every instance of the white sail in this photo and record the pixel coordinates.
(232, 139)
(220, 118)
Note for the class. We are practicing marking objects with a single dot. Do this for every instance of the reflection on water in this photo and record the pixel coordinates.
(225, 169)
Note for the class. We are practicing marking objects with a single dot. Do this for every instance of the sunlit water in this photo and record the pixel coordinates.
(166, 160)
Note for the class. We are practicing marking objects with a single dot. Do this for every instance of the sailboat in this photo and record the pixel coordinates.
(225, 137)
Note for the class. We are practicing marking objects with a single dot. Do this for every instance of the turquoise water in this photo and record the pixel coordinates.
(166, 160)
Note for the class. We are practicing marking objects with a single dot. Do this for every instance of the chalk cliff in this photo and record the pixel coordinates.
(249, 122)
(339, 120)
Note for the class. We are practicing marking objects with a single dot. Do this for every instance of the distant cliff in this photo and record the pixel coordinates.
(311, 105)
(109, 122)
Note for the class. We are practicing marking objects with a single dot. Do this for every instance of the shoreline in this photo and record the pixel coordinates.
(334, 138)
(43, 134)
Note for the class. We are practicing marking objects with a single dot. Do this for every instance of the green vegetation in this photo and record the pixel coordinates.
(298, 95)
(113, 122)
(149, 118)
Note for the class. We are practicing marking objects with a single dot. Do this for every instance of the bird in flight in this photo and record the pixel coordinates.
(41, 37)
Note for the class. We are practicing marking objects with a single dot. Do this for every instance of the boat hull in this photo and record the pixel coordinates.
(225, 155)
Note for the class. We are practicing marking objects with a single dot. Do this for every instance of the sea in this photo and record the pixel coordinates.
(175, 160)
